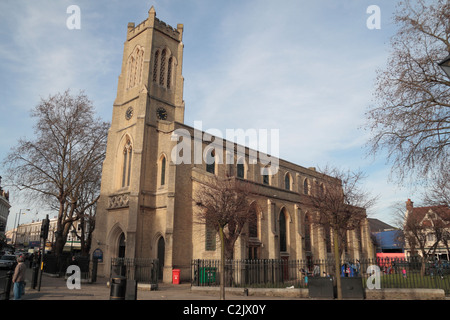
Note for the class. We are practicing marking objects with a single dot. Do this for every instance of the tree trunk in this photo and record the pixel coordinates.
(59, 243)
(337, 259)
(222, 264)
(423, 266)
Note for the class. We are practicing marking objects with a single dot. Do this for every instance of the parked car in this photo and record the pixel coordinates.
(8, 261)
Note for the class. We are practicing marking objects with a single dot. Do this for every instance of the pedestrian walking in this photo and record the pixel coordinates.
(19, 279)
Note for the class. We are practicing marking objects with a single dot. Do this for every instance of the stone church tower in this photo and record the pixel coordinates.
(149, 99)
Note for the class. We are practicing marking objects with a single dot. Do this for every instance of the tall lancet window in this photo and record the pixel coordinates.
(169, 72)
(162, 71)
(306, 186)
(283, 231)
(135, 67)
(164, 68)
(287, 181)
(155, 67)
(163, 170)
(211, 161)
(126, 171)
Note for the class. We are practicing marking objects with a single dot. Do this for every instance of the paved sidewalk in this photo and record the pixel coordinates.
(181, 301)
(53, 288)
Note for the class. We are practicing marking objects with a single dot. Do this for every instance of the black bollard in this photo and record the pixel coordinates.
(34, 276)
(9, 276)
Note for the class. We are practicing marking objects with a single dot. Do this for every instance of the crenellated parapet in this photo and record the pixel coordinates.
(153, 22)
(4, 194)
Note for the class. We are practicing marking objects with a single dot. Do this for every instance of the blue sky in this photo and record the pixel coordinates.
(306, 68)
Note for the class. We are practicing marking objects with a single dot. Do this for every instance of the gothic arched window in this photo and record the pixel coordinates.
(155, 67)
(306, 186)
(240, 170)
(121, 246)
(265, 175)
(321, 190)
(169, 72)
(162, 67)
(327, 236)
(126, 165)
(283, 231)
(254, 244)
(163, 171)
(308, 226)
(253, 223)
(210, 236)
(211, 161)
(287, 181)
(135, 67)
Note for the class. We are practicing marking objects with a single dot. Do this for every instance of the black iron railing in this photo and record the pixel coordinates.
(141, 270)
(58, 264)
(391, 273)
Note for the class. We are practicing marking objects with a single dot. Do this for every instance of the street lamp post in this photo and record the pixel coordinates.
(18, 222)
(445, 65)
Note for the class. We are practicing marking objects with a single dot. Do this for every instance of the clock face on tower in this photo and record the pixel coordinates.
(161, 113)
(129, 113)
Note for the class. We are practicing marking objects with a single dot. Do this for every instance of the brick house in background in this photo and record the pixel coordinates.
(432, 225)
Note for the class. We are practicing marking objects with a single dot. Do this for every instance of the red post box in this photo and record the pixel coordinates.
(176, 276)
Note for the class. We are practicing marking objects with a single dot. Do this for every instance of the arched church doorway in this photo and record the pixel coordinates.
(121, 246)
(161, 256)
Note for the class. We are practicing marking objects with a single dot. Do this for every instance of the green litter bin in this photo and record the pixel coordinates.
(207, 275)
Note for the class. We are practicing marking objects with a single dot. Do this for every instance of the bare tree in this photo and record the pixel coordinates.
(224, 206)
(411, 234)
(86, 207)
(438, 189)
(61, 166)
(340, 203)
(411, 115)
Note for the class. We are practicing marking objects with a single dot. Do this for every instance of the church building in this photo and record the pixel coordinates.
(146, 207)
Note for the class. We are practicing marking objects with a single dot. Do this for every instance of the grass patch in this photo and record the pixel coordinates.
(414, 280)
